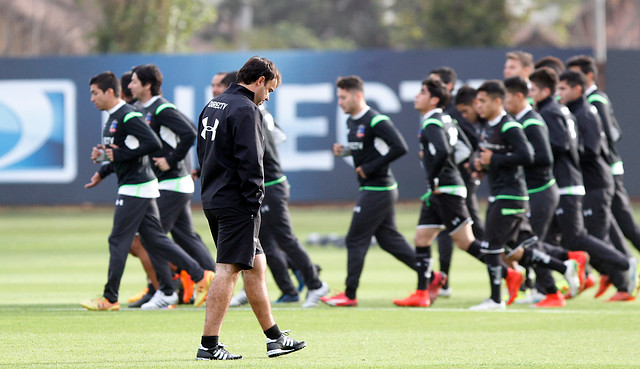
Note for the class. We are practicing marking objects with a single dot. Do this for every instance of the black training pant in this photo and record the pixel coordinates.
(374, 215)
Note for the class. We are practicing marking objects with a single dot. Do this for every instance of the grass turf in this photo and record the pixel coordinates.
(52, 258)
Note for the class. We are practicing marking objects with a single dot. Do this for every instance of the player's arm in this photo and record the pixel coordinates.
(249, 150)
(590, 130)
(183, 128)
(538, 136)
(397, 146)
(558, 131)
(434, 140)
(147, 141)
(522, 154)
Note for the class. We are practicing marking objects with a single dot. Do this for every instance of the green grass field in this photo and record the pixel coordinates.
(53, 258)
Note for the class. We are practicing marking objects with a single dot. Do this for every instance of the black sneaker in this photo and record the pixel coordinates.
(216, 353)
(283, 345)
(143, 300)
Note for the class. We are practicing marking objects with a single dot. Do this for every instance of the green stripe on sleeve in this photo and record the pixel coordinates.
(532, 121)
(378, 118)
(599, 98)
(431, 121)
(130, 115)
(164, 106)
(507, 126)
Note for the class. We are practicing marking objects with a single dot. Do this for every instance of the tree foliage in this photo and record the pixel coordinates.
(149, 25)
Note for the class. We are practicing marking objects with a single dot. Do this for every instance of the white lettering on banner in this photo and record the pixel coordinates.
(289, 96)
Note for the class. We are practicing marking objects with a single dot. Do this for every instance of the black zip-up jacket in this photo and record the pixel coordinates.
(231, 150)
(437, 152)
(374, 143)
(135, 140)
(176, 133)
(565, 142)
(511, 151)
(540, 172)
(596, 172)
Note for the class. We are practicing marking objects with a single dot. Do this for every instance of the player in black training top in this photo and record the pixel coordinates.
(505, 150)
(126, 142)
(567, 227)
(374, 142)
(598, 180)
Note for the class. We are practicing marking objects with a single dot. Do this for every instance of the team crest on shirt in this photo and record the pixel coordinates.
(147, 118)
(113, 126)
(360, 131)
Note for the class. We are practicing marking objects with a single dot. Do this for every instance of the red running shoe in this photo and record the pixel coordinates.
(438, 280)
(340, 299)
(621, 296)
(582, 258)
(420, 298)
(553, 300)
(514, 280)
(605, 283)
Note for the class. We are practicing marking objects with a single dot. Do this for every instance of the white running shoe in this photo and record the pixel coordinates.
(571, 275)
(631, 275)
(239, 299)
(160, 301)
(489, 305)
(313, 296)
(445, 292)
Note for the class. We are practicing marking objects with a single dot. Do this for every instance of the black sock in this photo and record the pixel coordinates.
(209, 341)
(350, 293)
(273, 332)
(423, 264)
(534, 257)
(476, 251)
(495, 275)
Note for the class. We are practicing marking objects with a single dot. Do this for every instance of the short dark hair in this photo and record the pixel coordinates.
(149, 74)
(447, 74)
(465, 96)
(574, 78)
(125, 79)
(257, 67)
(585, 63)
(551, 62)
(106, 80)
(516, 84)
(437, 89)
(525, 58)
(493, 87)
(544, 77)
(350, 83)
(229, 77)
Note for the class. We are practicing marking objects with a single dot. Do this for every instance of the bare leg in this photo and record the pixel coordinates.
(219, 296)
(255, 285)
(139, 251)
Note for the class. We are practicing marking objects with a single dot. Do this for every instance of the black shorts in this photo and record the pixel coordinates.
(235, 232)
(444, 211)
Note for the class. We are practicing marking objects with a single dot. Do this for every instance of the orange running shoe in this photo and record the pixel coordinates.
(420, 298)
(202, 288)
(339, 299)
(187, 286)
(553, 300)
(138, 296)
(438, 280)
(582, 258)
(605, 283)
(621, 296)
(100, 304)
(513, 280)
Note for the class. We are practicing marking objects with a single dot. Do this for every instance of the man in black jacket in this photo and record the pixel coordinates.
(230, 153)
(126, 142)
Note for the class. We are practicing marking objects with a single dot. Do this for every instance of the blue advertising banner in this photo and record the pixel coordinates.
(48, 124)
